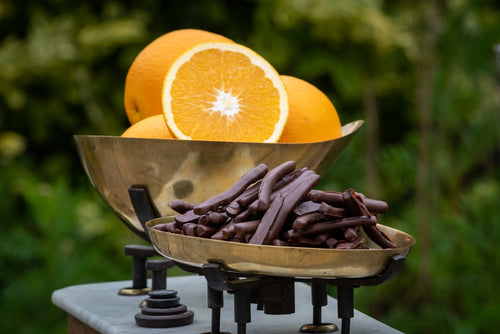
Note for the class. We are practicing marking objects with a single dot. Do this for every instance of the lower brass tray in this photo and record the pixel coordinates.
(279, 261)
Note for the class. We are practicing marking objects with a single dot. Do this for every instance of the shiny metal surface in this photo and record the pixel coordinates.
(133, 292)
(279, 261)
(321, 328)
(189, 170)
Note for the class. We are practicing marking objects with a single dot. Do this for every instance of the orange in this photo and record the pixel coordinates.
(143, 85)
(312, 117)
(150, 127)
(226, 92)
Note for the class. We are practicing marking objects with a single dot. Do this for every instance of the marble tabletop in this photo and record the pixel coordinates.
(100, 307)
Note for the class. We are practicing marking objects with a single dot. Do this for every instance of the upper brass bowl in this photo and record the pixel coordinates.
(187, 169)
(279, 261)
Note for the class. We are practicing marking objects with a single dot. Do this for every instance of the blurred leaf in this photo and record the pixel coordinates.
(101, 38)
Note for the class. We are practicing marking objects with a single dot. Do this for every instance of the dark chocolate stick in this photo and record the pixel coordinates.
(336, 224)
(379, 237)
(166, 227)
(233, 208)
(181, 206)
(248, 227)
(253, 175)
(350, 234)
(217, 235)
(331, 242)
(228, 230)
(187, 217)
(336, 199)
(305, 207)
(160, 227)
(290, 186)
(291, 234)
(347, 245)
(282, 187)
(307, 219)
(189, 229)
(288, 178)
(242, 216)
(304, 184)
(215, 218)
(253, 208)
(205, 231)
(321, 238)
(239, 203)
(260, 235)
(249, 195)
(332, 211)
(266, 222)
(269, 181)
(355, 204)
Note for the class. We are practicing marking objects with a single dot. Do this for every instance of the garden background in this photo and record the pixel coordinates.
(424, 75)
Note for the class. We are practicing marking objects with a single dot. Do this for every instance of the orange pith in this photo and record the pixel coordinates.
(312, 117)
(221, 91)
(144, 81)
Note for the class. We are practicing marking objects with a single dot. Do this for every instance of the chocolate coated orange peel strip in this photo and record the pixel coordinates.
(252, 176)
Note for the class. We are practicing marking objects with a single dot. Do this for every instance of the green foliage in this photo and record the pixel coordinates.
(62, 70)
(57, 235)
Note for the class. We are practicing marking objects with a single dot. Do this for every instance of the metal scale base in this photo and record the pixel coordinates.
(102, 309)
(273, 295)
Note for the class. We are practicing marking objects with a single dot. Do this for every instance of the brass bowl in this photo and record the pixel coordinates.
(186, 169)
(279, 261)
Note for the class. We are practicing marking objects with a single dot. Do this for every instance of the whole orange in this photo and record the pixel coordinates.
(150, 127)
(144, 81)
(312, 117)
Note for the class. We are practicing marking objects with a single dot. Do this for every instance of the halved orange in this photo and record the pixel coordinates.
(224, 92)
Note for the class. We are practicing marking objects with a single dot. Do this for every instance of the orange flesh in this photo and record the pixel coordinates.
(215, 88)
